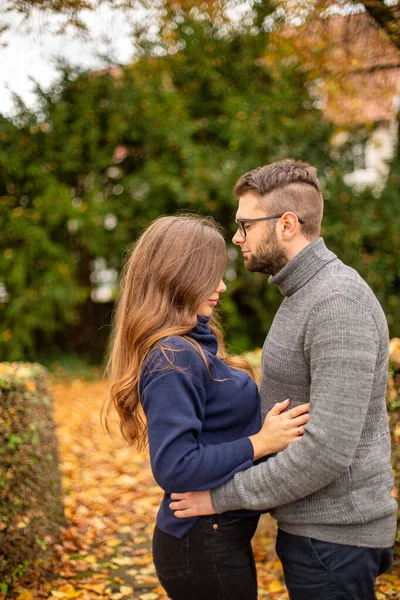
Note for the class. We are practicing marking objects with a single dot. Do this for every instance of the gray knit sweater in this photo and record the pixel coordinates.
(328, 345)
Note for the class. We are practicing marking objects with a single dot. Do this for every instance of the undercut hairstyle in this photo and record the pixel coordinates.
(287, 186)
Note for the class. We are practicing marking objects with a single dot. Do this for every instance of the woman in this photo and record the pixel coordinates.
(201, 405)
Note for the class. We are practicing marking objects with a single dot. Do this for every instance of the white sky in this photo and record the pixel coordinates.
(31, 54)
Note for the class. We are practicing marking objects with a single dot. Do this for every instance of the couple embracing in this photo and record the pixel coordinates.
(312, 446)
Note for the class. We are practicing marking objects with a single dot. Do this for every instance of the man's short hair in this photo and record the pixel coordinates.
(287, 185)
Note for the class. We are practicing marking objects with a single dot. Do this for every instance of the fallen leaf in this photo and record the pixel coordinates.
(141, 561)
(133, 572)
(113, 542)
(66, 592)
(25, 595)
(122, 561)
(275, 586)
(98, 588)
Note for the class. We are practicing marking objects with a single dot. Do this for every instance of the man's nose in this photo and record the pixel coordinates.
(238, 238)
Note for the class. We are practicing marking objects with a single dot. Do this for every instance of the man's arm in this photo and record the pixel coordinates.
(342, 344)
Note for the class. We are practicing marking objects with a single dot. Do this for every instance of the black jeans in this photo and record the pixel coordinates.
(316, 570)
(213, 561)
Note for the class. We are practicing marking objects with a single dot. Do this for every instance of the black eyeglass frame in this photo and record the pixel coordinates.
(241, 222)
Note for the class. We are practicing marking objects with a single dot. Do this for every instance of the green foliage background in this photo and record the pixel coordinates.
(170, 132)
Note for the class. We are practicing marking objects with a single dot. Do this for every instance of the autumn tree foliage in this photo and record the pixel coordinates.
(104, 153)
(353, 63)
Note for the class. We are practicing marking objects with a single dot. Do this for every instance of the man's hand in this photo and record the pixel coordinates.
(192, 504)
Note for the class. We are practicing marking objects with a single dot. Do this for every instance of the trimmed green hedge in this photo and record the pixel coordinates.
(31, 509)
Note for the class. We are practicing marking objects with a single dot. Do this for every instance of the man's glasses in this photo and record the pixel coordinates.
(241, 223)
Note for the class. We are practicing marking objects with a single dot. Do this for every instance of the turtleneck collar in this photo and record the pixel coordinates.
(302, 267)
(201, 332)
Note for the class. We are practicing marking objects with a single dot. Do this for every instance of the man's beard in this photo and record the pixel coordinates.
(270, 258)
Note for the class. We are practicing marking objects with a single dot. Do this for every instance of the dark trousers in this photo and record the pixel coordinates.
(316, 570)
(214, 561)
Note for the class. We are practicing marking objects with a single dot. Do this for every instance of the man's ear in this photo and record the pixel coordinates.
(288, 226)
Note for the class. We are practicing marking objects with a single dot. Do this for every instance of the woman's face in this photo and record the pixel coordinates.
(206, 308)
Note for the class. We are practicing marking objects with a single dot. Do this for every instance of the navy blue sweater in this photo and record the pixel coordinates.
(198, 427)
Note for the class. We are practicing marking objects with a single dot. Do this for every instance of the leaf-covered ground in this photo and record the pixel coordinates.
(111, 501)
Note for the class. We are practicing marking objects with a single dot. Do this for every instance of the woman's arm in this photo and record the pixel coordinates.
(174, 401)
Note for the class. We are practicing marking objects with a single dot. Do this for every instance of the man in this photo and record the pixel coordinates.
(328, 345)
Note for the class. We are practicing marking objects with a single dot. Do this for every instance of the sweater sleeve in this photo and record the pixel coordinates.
(174, 402)
(342, 346)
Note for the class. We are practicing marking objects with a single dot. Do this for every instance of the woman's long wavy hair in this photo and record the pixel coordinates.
(175, 265)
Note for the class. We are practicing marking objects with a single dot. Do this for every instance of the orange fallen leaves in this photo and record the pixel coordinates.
(275, 586)
(97, 588)
(24, 595)
(111, 501)
(66, 592)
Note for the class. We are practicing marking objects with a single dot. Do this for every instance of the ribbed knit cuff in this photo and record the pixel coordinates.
(223, 498)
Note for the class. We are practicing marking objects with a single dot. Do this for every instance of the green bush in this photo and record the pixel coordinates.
(31, 509)
(107, 152)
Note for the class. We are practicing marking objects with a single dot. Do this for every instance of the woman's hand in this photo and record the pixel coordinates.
(280, 429)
